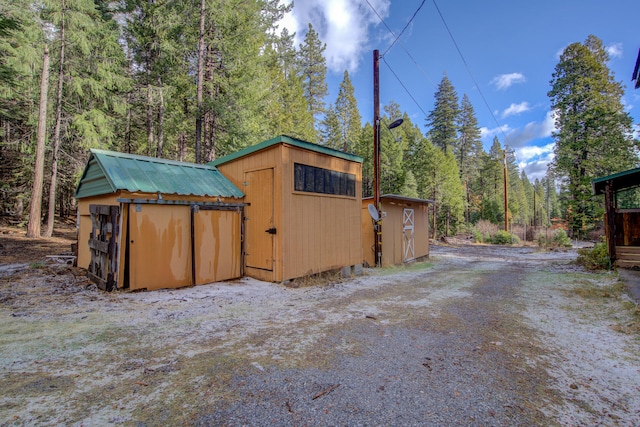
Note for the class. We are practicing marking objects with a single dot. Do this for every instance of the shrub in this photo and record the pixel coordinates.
(560, 240)
(504, 238)
(596, 258)
(486, 227)
(477, 236)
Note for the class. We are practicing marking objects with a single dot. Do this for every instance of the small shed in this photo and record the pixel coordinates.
(404, 226)
(622, 216)
(302, 213)
(149, 223)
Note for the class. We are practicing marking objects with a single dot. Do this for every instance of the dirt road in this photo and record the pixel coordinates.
(476, 336)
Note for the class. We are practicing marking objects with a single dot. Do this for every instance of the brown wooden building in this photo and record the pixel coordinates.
(622, 218)
(405, 230)
(302, 213)
(148, 223)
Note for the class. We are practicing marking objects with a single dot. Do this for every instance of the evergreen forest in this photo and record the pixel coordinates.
(193, 81)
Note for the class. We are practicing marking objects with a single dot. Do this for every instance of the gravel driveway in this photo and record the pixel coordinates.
(478, 335)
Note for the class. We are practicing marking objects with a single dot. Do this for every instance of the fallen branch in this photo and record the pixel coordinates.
(327, 391)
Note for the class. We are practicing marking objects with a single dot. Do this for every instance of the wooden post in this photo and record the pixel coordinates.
(506, 194)
(610, 228)
(376, 156)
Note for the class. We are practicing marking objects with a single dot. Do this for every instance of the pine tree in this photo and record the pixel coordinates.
(442, 120)
(468, 150)
(313, 66)
(392, 148)
(594, 133)
(364, 149)
(331, 130)
(8, 26)
(348, 115)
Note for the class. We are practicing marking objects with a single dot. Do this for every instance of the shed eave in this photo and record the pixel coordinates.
(283, 139)
(620, 181)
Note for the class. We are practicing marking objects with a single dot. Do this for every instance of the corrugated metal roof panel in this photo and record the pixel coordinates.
(108, 171)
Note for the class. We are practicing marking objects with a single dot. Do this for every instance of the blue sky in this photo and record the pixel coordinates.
(510, 49)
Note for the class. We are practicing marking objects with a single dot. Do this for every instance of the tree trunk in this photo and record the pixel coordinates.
(160, 121)
(199, 110)
(33, 227)
(127, 130)
(149, 118)
(56, 134)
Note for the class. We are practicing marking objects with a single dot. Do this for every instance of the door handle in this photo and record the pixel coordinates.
(271, 230)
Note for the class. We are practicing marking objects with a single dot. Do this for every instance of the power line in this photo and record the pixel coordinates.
(464, 61)
(405, 27)
(403, 86)
(396, 38)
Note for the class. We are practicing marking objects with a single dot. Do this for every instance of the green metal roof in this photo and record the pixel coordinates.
(286, 140)
(620, 181)
(107, 172)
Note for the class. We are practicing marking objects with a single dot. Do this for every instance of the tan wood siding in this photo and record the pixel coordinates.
(393, 231)
(159, 246)
(315, 232)
(217, 245)
(324, 231)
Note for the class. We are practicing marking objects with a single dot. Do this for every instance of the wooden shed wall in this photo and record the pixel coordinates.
(314, 232)
(392, 232)
(238, 172)
(160, 251)
(323, 231)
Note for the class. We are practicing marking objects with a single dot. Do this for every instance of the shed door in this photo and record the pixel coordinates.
(159, 246)
(408, 235)
(216, 245)
(260, 229)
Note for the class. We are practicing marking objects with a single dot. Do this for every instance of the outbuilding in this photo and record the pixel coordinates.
(302, 213)
(149, 223)
(404, 229)
(622, 216)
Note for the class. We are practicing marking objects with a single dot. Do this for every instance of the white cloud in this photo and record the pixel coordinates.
(532, 158)
(533, 152)
(614, 50)
(515, 109)
(504, 81)
(490, 133)
(342, 24)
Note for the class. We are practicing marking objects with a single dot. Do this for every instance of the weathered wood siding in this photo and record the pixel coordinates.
(159, 246)
(84, 224)
(217, 245)
(627, 223)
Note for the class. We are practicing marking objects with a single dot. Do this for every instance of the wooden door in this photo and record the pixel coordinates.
(217, 245)
(159, 246)
(408, 235)
(260, 229)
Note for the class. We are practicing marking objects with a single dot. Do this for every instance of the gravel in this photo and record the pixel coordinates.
(479, 335)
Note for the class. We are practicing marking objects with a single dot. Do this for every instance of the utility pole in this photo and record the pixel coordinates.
(376, 156)
(506, 196)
